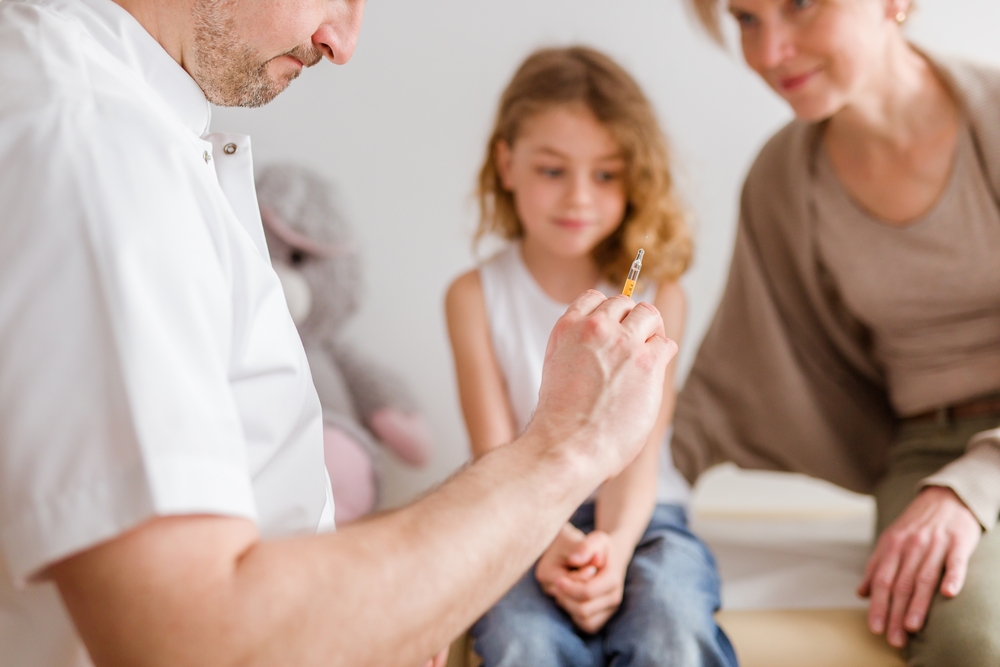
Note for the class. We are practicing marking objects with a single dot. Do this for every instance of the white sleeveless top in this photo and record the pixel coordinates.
(521, 317)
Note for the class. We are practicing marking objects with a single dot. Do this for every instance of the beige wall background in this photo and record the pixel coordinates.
(401, 130)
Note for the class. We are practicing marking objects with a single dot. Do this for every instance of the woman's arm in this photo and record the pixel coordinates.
(481, 388)
(624, 505)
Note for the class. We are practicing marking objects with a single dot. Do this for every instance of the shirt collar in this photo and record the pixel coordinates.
(125, 39)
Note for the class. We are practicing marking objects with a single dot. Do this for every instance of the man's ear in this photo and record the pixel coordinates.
(503, 156)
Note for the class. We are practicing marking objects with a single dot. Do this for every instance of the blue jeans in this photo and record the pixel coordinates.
(666, 616)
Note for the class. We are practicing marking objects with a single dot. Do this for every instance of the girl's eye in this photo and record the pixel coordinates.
(550, 172)
(801, 4)
(607, 176)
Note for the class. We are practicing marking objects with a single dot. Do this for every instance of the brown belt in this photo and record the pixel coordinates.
(987, 406)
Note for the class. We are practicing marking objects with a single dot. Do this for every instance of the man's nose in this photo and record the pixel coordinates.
(337, 36)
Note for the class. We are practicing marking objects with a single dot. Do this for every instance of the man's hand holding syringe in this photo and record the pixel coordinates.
(465, 543)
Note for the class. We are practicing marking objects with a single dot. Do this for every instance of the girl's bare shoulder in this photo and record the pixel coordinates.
(465, 293)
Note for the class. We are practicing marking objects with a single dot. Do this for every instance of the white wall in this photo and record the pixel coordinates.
(402, 128)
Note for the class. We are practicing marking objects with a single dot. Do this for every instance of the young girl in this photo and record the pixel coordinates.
(576, 177)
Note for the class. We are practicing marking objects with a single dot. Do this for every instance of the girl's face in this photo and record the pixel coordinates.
(819, 55)
(566, 173)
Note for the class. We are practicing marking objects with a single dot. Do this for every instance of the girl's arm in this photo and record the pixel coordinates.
(489, 417)
(625, 503)
(481, 388)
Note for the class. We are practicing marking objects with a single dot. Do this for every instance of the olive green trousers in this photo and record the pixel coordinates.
(963, 631)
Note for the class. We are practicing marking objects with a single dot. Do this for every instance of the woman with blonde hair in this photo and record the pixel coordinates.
(858, 339)
(576, 178)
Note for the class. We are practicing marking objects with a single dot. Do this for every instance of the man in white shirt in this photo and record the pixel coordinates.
(161, 476)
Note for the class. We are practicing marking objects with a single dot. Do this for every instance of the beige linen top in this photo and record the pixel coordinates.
(928, 291)
(786, 377)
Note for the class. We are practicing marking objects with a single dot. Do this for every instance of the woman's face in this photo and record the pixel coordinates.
(819, 55)
(567, 174)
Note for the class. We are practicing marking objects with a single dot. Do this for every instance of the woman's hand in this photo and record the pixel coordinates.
(936, 532)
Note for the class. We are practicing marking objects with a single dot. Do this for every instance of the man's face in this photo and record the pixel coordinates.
(247, 51)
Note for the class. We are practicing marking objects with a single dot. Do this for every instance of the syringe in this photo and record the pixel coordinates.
(633, 275)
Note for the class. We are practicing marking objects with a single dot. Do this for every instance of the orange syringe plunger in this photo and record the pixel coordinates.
(633, 275)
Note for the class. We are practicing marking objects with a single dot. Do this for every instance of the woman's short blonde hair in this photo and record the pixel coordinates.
(580, 75)
(709, 14)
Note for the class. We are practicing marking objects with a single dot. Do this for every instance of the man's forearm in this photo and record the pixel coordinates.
(455, 553)
(203, 590)
(392, 590)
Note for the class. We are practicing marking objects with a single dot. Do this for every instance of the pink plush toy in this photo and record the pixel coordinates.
(364, 405)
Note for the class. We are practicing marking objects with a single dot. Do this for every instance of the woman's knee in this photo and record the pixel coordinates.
(961, 631)
(968, 646)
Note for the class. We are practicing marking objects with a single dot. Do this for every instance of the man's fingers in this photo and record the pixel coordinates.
(586, 303)
(644, 322)
(927, 579)
(641, 320)
(619, 307)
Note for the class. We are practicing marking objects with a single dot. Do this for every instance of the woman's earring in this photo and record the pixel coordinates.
(900, 17)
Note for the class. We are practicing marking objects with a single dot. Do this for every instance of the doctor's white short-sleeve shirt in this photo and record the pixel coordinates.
(148, 363)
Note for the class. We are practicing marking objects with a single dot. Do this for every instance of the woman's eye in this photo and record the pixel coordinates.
(745, 19)
(550, 172)
(799, 5)
(607, 176)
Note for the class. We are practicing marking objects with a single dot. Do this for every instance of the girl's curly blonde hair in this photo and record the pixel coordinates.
(580, 75)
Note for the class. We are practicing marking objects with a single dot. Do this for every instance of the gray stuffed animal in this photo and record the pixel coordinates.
(364, 405)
